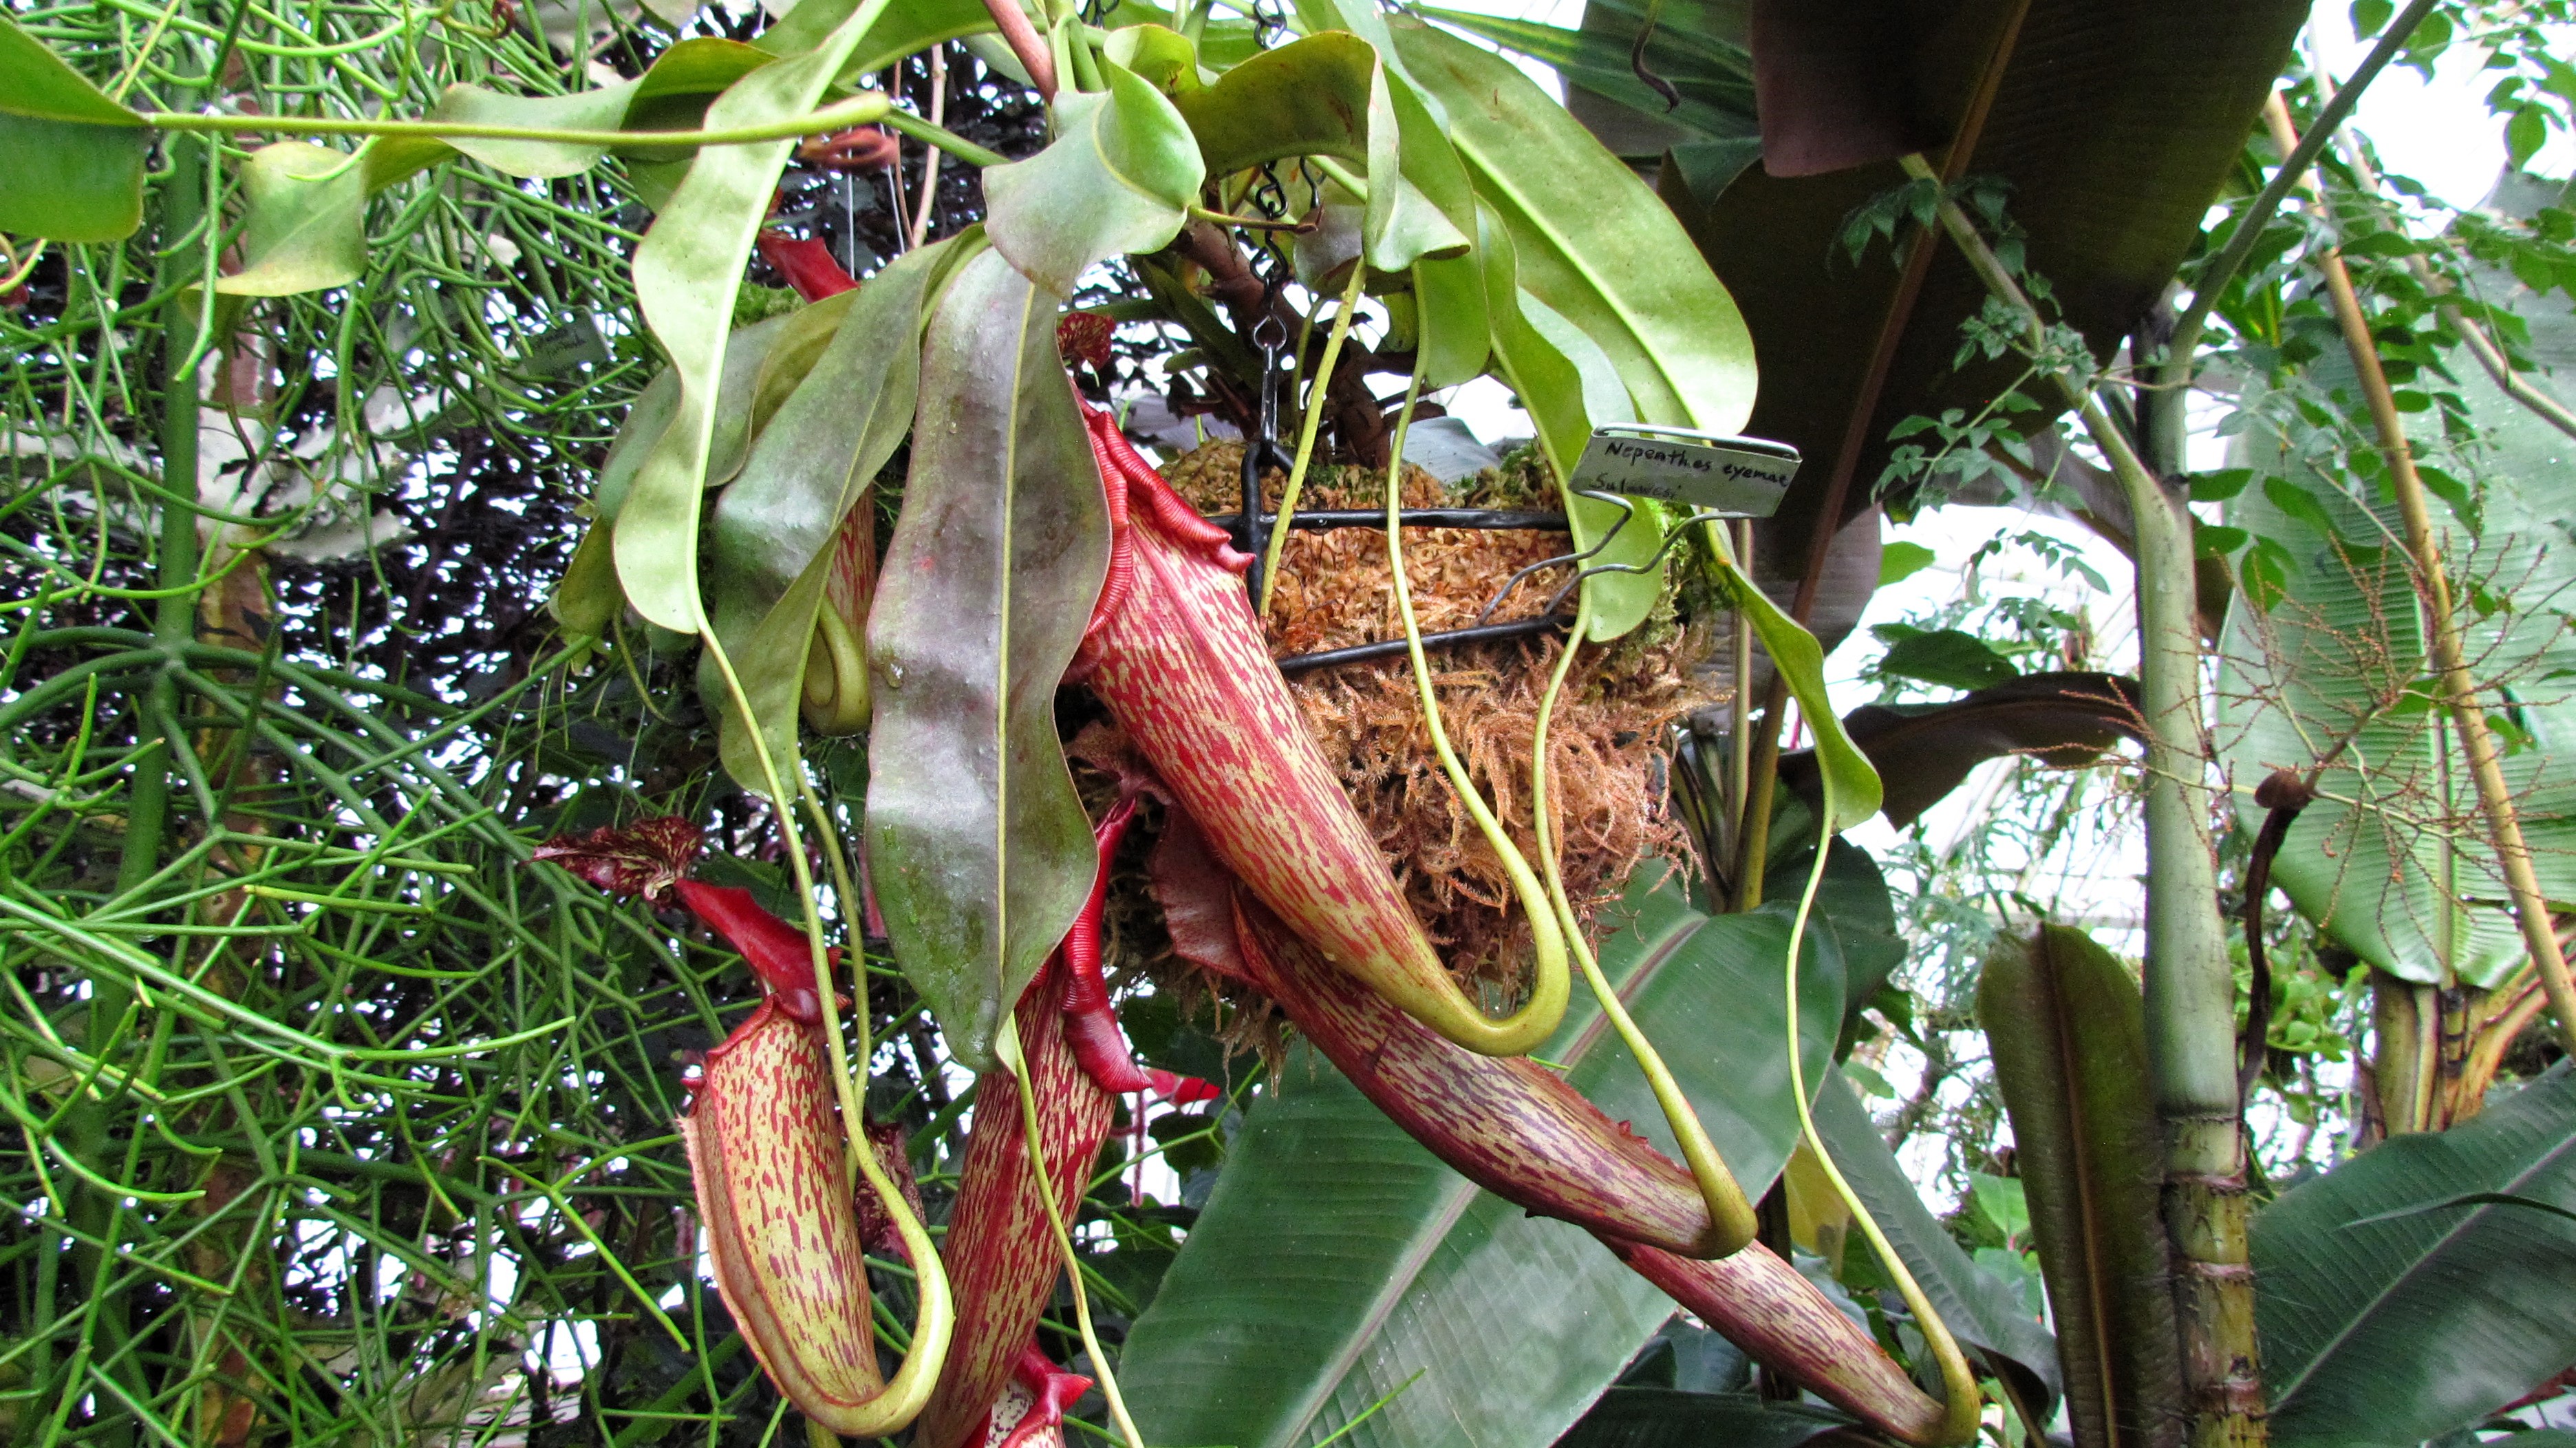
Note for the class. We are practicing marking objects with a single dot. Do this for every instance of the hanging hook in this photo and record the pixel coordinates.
(1261, 451)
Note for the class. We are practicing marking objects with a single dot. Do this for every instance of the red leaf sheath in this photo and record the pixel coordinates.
(765, 1155)
(1090, 1026)
(1180, 662)
(1002, 1256)
(777, 951)
(806, 263)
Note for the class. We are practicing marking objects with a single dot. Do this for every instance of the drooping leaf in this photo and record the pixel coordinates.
(1593, 243)
(1924, 751)
(698, 66)
(2067, 1028)
(979, 849)
(1982, 1311)
(1592, 246)
(1850, 787)
(1330, 95)
(808, 469)
(1337, 1258)
(2411, 1325)
(305, 227)
(905, 28)
(71, 160)
(687, 271)
(1119, 177)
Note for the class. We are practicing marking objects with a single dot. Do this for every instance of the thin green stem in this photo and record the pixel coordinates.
(1035, 1145)
(859, 110)
(1306, 432)
(1548, 980)
(905, 123)
(1730, 1214)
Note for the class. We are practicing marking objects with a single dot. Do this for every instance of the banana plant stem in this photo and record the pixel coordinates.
(1314, 411)
(1036, 1147)
(2460, 690)
(1728, 1210)
(2190, 983)
(859, 110)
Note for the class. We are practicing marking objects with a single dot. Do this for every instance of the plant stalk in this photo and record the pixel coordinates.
(2441, 625)
(2190, 984)
(858, 110)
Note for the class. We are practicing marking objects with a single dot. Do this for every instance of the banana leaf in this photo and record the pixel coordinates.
(1338, 1266)
(2383, 1325)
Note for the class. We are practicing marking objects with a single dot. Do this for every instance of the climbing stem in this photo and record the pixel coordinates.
(1548, 982)
(1730, 1213)
(1036, 1145)
(1314, 414)
(1958, 1382)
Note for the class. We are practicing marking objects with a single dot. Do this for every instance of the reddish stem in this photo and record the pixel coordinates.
(1026, 43)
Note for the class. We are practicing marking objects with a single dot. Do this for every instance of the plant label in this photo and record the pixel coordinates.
(1740, 477)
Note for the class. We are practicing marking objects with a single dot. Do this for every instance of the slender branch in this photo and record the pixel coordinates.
(858, 110)
(907, 124)
(2222, 269)
(2486, 760)
(2474, 337)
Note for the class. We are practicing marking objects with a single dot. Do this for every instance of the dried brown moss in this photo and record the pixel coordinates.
(1605, 758)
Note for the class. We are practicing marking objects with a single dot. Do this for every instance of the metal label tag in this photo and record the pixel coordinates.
(1742, 477)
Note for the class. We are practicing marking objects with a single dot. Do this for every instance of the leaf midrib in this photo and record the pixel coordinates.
(2440, 1244)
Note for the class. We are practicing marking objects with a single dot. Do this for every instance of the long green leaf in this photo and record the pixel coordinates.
(1981, 1311)
(2067, 1028)
(1594, 244)
(687, 272)
(978, 846)
(71, 160)
(1120, 176)
(1337, 1259)
(2409, 1326)
(1712, 76)
(807, 470)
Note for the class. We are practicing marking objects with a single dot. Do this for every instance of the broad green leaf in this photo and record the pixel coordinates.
(979, 849)
(1222, 44)
(1159, 55)
(1119, 177)
(1331, 95)
(1663, 1418)
(1982, 1311)
(1948, 657)
(305, 226)
(2403, 875)
(1556, 390)
(71, 160)
(697, 66)
(586, 600)
(1337, 1259)
(2409, 1326)
(687, 271)
(809, 468)
(1592, 241)
(2067, 1027)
